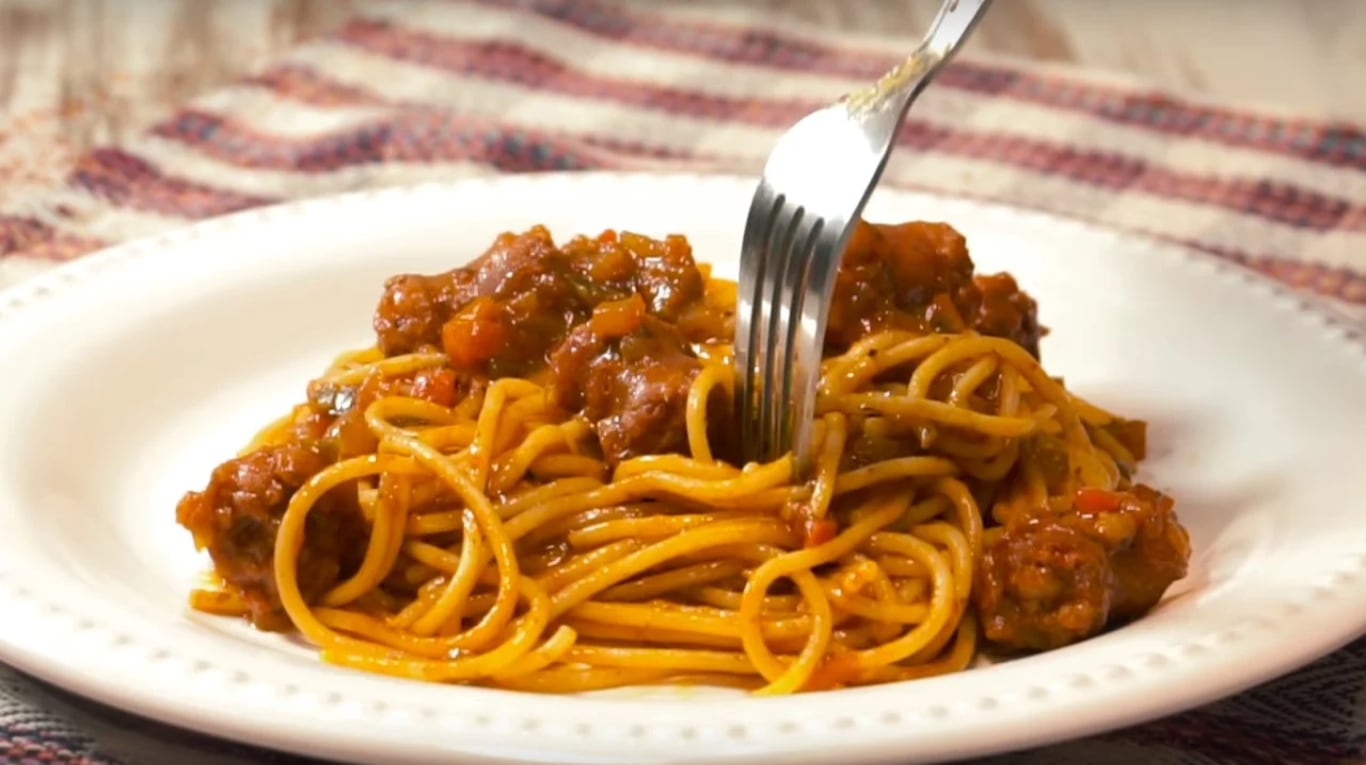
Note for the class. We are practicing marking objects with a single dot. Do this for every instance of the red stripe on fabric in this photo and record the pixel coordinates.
(130, 181)
(40, 749)
(229, 141)
(1334, 282)
(511, 62)
(305, 84)
(1280, 202)
(407, 135)
(32, 238)
(18, 233)
(1330, 142)
(507, 61)
(1337, 144)
(64, 247)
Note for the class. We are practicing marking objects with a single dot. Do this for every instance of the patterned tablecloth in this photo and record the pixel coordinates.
(412, 92)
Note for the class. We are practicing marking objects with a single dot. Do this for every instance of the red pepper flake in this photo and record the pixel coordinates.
(818, 531)
(1093, 501)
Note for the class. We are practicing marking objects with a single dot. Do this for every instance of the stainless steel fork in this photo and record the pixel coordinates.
(814, 186)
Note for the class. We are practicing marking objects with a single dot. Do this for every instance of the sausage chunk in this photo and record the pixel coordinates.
(502, 314)
(1051, 579)
(629, 373)
(236, 518)
(919, 277)
(1042, 586)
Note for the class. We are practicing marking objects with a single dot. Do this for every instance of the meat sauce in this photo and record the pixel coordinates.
(919, 277)
(612, 326)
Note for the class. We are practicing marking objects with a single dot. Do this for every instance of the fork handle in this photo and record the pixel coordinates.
(953, 23)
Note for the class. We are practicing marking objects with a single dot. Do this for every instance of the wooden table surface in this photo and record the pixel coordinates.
(78, 72)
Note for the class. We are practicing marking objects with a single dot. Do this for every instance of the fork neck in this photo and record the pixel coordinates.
(898, 87)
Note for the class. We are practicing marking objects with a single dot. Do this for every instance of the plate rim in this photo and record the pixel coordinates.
(245, 724)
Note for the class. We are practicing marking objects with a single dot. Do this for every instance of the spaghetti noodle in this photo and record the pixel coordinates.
(527, 484)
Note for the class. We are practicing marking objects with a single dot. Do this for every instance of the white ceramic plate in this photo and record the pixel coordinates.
(129, 374)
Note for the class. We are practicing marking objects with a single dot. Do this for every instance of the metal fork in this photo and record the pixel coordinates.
(814, 186)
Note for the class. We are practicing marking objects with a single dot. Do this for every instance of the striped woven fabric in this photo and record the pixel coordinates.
(412, 92)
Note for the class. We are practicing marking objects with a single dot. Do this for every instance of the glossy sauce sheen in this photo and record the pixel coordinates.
(613, 326)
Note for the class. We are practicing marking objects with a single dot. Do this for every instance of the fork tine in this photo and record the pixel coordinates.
(803, 346)
(787, 323)
(748, 315)
(826, 249)
(773, 327)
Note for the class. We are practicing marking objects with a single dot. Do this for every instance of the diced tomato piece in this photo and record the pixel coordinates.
(436, 385)
(476, 334)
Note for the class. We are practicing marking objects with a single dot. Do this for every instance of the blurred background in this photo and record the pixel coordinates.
(75, 73)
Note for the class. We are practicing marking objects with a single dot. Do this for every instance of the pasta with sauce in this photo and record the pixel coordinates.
(529, 482)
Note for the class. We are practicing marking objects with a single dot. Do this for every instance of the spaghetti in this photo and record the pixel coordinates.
(535, 492)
